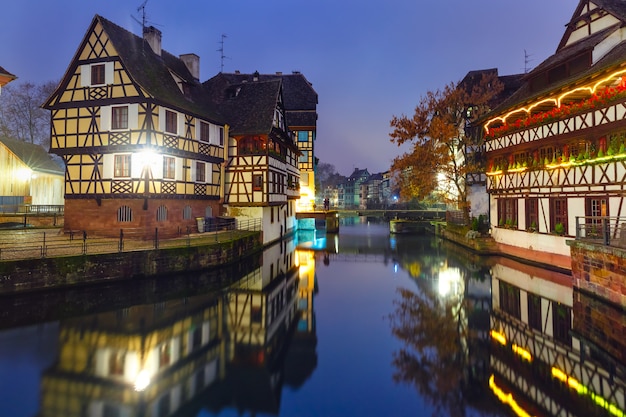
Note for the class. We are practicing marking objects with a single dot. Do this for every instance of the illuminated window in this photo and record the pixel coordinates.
(200, 172)
(121, 166)
(119, 117)
(171, 122)
(97, 74)
(169, 167)
(507, 212)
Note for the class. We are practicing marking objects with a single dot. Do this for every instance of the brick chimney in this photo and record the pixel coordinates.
(152, 35)
(192, 62)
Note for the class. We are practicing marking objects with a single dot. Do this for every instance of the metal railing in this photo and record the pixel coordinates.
(605, 230)
(33, 243)
(31, 209)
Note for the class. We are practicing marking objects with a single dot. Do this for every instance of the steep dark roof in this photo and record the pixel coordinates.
(613, 59)
(34, 156)
(249, 107)
(358, 173)
(6, 73)
(300, 99)
(153, 72)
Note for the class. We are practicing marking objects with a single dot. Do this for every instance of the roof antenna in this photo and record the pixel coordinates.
(144, 18)
(526, 61)
(221, 51)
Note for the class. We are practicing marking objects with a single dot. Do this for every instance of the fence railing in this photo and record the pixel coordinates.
(31, 209)
(32, 243)
(609, 231)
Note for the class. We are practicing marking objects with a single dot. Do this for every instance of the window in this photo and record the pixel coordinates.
(124, 214)
(304, 157)
(558, 215)
(257, 182)
(161, 214)
(303, 136)
(116, 363)
(562, 323)
(171, 122)
(510, 299)
(595, 209)
(534, 312)
(200, 172)
(507, 212)
(205, 132)
(97, 74)
(122, 166)
(165, 357)
(532, 214)
(169, 167)
(119, 117)
(187, 213)
(221, 136)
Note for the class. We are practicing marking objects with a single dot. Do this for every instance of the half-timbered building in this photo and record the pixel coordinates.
(261, 175)
(29, 175)
(5, 77)
(556, 147)
(143, 148)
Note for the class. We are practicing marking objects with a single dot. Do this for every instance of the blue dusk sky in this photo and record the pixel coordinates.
(367, 60)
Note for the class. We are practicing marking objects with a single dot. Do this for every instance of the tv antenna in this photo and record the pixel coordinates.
(527, 60)
(221, 51)
(144, 22)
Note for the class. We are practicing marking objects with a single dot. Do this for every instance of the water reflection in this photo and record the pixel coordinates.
(463, 336)
(222, 349)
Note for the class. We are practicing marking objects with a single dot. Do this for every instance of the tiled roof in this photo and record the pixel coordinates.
(250, 109)
(300, 98)
(613, 59)
(34, 156)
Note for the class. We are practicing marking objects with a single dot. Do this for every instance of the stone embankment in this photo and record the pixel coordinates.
(75, 270)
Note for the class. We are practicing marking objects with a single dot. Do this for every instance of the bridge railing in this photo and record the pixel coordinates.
(605, 230)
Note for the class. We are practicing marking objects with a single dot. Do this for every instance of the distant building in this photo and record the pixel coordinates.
(352, 189)
(29, 175)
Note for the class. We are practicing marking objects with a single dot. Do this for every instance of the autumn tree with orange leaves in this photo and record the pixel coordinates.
(436, 133)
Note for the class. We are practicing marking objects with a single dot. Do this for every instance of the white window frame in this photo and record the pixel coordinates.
(85, 74)
(106, 116)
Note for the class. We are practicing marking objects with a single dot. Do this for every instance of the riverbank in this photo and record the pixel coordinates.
(487, 246)
(24, 275)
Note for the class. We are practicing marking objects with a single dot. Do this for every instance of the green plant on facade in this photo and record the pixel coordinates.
(559, 229)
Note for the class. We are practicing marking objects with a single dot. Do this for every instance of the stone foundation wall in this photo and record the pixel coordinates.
(101, 219)
(70, 271)
(602, 323)
(600, 270)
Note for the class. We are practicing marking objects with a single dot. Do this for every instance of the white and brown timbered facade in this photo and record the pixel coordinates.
(140, 148)
(556, 147)
(262, 179)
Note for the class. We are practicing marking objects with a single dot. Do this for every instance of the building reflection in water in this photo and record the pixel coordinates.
(517, 332)
(226, 348)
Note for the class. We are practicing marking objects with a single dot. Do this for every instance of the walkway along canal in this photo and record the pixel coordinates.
(44, 259)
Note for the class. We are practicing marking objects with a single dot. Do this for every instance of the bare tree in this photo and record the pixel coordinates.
(21, 114)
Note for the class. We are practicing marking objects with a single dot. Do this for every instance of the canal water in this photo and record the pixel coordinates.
(362, 323)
